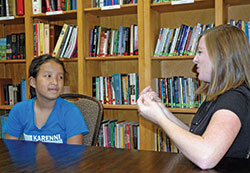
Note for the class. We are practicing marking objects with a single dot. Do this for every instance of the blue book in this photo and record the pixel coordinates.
(23, 90)
(74, 4)
(246, 29)
(117, 84)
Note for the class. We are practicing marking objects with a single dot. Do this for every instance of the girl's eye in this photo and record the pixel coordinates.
(60, 77)
(48, 75)
(199, 52)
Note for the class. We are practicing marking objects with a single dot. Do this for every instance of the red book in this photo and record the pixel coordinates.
(20, 7)
(59, 5)
(48, 6)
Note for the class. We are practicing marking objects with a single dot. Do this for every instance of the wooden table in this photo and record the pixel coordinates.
(20, 156)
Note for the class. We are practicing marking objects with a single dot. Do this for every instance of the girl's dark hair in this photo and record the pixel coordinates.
(35, 65)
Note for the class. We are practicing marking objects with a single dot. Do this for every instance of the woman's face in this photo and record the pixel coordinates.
(202, 60)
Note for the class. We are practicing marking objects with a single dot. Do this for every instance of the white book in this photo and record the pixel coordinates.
(46, 38)
(171, 52)
(158, 43)
(11, 94)
(72, 44)
(37, 6)
(135, 39)
(196, 36)
(101, 89)
(163, 41)
(167, 44)
(66, 43)
(112, 41)
(132, 39)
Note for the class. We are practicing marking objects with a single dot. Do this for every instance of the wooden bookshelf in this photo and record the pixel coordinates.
(149, 18)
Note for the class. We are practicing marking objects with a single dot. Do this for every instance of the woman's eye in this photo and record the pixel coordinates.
(199, 52)
(60, 77)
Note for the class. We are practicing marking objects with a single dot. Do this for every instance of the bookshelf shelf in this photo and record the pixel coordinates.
(173, 58)
(72, 14)
(12, 20)
(69, 59)
(134, 107)
(120, 107)
(112, 58)
(5, 107)
(12, 61)
(197, 5)
(123, 10)
(236, 2)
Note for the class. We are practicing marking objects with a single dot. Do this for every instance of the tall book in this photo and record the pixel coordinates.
(56, 51)
(46, 38)
(54, 33)
(37, 6)
(3, 81)
(9, 47)
(12, 7)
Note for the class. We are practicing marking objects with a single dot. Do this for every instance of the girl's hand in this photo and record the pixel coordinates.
(149, 108)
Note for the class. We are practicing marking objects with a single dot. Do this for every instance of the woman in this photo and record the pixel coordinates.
(221, 126)
(46, 117)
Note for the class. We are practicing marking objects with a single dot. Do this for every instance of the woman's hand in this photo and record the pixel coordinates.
(152, 94)
(149, 108)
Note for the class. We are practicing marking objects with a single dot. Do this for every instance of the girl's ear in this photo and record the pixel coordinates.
(32, 81)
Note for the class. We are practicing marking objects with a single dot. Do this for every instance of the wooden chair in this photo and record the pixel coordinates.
(92, 111)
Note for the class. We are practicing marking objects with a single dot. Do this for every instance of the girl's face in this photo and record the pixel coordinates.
(202, 60)
(49, 81)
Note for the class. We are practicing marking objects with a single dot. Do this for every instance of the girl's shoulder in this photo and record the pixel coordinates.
(65, 104)
(24, 104)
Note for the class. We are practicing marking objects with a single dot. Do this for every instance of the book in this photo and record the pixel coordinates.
(14, 46)
(65, 42)
(46, 38)
(54, 33)
(56, 50)
(37, 6)
(3, 43)
(9, 47)
(117, 84)
(12, 7)
(48, 6)
(3, 81)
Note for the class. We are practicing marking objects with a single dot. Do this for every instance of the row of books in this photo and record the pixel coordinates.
(42, 6)
(60, 41)
(12, 93)
(116, 89)
(179, 41)
(3, 119)
(102, 3)
(12, 47)
(119, 134)
(112, 42)
(244, 25)
(163, 142)
(159, 1)
(11, 8)
(178, 91)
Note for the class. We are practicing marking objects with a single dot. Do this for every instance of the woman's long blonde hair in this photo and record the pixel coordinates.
(229, 51)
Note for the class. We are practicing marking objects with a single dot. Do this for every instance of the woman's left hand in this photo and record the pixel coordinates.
(149, 108)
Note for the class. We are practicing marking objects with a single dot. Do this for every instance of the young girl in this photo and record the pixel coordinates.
(46, 117)
(221, 126)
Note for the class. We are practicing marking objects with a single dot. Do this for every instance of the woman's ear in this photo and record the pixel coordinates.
(32, 81)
